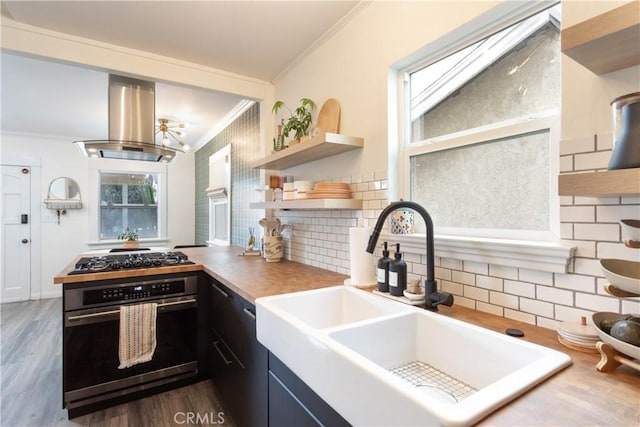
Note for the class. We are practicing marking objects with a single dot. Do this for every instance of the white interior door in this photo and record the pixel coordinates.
(16, 232)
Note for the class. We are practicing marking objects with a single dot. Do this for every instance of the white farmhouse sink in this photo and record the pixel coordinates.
(349, 345)
(334, 306)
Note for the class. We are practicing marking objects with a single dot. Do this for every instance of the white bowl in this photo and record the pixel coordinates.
(622, 274)
(631, 232)
(621, 346)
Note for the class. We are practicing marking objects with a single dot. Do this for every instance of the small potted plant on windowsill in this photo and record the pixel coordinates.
(130, 238)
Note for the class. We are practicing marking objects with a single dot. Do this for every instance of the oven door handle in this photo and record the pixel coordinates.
(106, 313)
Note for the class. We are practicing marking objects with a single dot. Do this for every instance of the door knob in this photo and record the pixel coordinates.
(25, 240)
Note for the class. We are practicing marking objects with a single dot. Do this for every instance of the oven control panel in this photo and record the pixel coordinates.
(131, 292)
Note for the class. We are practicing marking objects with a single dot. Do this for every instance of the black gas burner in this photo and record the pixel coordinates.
(100, 264)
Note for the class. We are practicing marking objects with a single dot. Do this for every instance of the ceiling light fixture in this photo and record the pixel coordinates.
(171, 132)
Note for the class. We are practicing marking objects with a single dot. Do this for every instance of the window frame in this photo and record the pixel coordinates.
(546, 252)
(548, 120)
(125, 168)
(218, 193)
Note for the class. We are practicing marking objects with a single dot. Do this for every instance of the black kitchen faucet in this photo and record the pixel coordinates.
(432, 298)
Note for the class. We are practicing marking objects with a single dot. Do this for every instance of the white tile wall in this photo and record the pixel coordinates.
(320, 238)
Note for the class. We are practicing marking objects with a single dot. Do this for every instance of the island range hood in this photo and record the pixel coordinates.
(131, 125)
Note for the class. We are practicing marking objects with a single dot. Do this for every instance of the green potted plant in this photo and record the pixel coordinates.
(130, 237)
(298, 122)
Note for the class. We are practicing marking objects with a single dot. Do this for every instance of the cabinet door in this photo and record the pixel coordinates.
(296, 400)
(239, 362)
(285, 409)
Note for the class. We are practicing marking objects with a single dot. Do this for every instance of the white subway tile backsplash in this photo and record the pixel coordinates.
(604, 141)
(600, 232)
(630, 200)
(520, 288)
(584, 248)
(489, 308)
(453, 264)
(614, 213)
(488, 282)
(475, 267)
(566, 231)
(520, 316)
(590, 267)
(451, 287)
(504, 300)
(464, 278)
(617, 250)
(533, 276)
(554, 295)
(465, 302)
(630, 307)
(585, 144)
(503, 271)
(547, 323)
(566, 163)
(577, 214)
(477, 294)
(442, 273)
(575, 282)
(597, 302)
(533, 306)
(592, 161)
(583, 200)
(571, 314)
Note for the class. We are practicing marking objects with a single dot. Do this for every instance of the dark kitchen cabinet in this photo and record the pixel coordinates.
(293, 403)
(238, 362)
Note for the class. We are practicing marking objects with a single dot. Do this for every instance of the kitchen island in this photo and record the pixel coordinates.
(578, 395)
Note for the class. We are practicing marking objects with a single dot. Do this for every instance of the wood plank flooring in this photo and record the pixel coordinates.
(31, 380)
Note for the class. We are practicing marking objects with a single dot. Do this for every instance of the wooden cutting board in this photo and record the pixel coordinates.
(329, 116)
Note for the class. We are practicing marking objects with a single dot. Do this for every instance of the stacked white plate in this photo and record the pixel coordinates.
(577, 336)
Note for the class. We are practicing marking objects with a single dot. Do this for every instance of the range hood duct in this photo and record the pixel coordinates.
(131, 124)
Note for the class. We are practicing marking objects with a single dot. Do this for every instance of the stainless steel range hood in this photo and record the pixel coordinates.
(131, 124)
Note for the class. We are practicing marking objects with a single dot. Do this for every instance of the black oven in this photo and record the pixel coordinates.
(91, 338)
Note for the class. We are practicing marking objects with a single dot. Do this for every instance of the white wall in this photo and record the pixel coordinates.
(60, 244)
(353, 65)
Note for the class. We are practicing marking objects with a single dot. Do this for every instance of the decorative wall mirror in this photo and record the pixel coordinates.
(64, 193)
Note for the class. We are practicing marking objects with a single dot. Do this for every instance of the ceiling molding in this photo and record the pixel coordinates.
(39, 42)
(237, 111)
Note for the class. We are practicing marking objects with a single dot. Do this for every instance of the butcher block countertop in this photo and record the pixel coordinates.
(249, 276)
(577, 396)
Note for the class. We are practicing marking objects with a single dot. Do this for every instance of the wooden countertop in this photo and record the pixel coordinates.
(249, 276)
(577, 396)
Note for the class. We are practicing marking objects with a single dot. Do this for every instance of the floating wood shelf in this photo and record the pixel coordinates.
(608, 42)
(310, 204)
(620, 182)
(321, 146)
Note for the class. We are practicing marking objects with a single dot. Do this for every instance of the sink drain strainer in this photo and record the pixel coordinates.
(433, 381)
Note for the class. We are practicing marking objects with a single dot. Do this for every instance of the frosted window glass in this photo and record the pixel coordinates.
(501, 184)
(525, 80)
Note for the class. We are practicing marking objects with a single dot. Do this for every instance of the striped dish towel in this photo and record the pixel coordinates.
(137, 334)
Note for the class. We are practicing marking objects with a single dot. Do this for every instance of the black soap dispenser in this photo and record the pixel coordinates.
(382, 272)
(397, 274)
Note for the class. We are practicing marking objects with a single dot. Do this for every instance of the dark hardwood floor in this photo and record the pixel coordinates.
(31, 380)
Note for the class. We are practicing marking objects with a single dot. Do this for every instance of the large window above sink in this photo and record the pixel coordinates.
(481, 129)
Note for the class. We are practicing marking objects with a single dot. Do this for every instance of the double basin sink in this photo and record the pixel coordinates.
(380, 362)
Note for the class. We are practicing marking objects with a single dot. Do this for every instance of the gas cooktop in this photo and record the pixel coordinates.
(129, 261)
